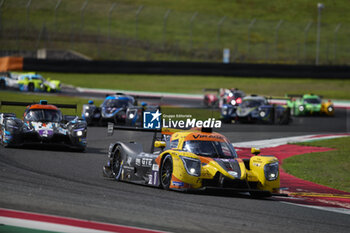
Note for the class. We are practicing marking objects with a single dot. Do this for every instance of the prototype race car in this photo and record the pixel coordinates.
(256, 109)
(192, 160)
(35, 82)
(42, 124)
(7, 80)
(309, 104)
(119, 108)
(223, 96)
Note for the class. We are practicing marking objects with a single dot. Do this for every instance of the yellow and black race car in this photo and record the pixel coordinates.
(192, 159)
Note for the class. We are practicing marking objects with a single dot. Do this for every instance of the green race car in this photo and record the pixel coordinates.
(34, 82)
(309, 104)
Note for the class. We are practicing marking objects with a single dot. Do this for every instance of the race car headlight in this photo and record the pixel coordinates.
(87, 114)
(262, 114)
(79, 133)
(233, 102)
(192, 166)
(271, 171)
(131, 115)
(330, 109)
(234, 174)
(301, 108)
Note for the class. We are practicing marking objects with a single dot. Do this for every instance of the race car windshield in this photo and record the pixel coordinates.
(252, 103)
(212, 149)
(44, 115)
(237, 95)
(312, 101)
(115, 103)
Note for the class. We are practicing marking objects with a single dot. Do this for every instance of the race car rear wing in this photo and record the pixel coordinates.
(164, 131)
(15, 103)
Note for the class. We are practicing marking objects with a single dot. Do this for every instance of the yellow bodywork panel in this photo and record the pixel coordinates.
(327, 108)
(181, 179)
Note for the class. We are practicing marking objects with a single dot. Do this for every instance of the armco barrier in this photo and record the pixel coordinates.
(187, 68)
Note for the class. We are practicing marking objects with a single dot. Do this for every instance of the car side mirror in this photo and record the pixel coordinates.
(255, 151)
(160, 144)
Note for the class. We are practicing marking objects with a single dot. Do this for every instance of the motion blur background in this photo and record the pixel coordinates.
(255, 31)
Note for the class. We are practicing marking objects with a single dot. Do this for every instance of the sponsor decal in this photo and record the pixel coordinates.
(177, 183)
(151, 120)
(146, 162)
(45, 133)
(191, 123)
(154, 180)
(128, 161)
(138, 162)
(128, 168)
(155, 167)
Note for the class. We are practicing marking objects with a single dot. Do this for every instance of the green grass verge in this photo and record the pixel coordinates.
(103, 35)
(327, 168)
(335, 89)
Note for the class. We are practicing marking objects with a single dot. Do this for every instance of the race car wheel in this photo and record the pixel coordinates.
(117, 163)
(3, 143)
(31, 87)
(2, 84)
(166, 172)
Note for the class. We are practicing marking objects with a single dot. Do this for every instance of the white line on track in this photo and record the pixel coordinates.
(46, 226)
(331, 209)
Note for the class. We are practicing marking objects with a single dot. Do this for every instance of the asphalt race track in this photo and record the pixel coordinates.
(65, 183)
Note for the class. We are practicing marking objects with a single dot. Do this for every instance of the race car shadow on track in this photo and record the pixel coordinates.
(231, 193)
(50, 148)
(206, 192)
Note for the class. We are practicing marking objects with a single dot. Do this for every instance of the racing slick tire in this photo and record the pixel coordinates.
(4, 144)
(31, 87)
(117, 163)
(166, 172)
(2, 84)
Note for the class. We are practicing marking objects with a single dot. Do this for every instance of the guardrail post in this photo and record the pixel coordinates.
(320, 6)
(27, 12)
(137, 20)
(191, 27)
(167, 13)
(41, 35)
(109, 19)
(276, 37)
(306, 30)
(219, 30)
(335, 41)
(249, 29)
(55, 13)
(1, 5)
(82, 12)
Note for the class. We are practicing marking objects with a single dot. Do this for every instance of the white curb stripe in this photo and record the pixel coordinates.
(282, 141)
(46, 226)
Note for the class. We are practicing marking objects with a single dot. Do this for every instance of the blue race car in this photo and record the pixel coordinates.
(119, 108)
(255, 109)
